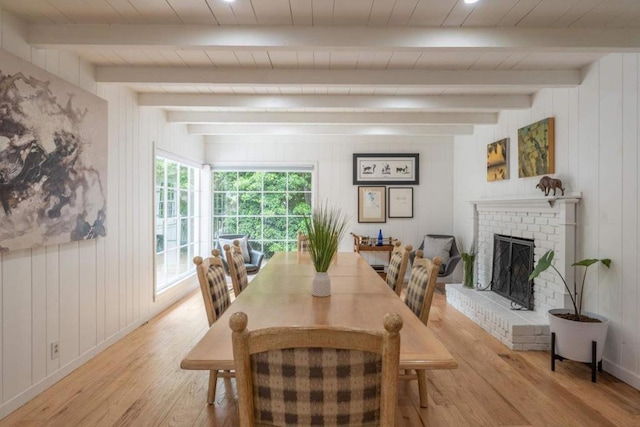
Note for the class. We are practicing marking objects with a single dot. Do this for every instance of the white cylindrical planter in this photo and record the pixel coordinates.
(573, 339)
(321, 285)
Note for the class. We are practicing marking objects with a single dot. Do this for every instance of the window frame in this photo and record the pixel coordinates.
(193, 190)
(289, 241)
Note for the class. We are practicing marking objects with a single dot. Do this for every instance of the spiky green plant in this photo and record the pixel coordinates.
(325, 228)
(576, 295)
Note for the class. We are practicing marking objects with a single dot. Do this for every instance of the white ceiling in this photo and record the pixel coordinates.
(403, 67)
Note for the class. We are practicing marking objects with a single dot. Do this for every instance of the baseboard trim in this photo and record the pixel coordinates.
(20, 399)
(621, 373)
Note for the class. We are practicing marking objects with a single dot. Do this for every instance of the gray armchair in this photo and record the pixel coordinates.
(440, 247)
(255, 256)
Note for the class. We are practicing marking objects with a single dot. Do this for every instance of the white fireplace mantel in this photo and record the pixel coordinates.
(526, 203)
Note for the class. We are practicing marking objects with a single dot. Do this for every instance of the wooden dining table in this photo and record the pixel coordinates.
(280, 295)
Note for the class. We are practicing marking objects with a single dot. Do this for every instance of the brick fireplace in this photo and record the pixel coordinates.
(551, 223)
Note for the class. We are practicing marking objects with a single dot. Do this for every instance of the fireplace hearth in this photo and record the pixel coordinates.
(512, 265)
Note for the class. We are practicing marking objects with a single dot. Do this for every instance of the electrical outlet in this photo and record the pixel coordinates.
(55, 350)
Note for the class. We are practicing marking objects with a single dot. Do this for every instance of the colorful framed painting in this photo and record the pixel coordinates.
(536, 149)
(498, 160)
(386, 169)
(372, 204)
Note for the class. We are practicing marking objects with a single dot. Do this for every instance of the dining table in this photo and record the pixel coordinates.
(280, 296)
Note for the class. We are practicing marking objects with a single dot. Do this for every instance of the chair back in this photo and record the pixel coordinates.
(303, 242)
(316, 375)
(422, 284)
(237, 269)
(444, 246)
(213, 285)
(398, 261)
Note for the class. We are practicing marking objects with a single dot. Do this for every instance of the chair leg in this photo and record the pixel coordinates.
(422, 388)
(213, 381)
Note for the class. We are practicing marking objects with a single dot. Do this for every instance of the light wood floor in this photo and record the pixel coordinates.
(138, 382)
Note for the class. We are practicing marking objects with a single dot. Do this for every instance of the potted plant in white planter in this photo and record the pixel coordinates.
(574, 332)
(324, 229)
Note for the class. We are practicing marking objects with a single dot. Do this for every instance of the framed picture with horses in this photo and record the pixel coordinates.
(386, 169)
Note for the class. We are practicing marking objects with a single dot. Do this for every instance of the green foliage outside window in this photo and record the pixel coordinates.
(225, 181)
(267, 206)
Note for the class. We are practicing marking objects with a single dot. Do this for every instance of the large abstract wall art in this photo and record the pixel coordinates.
(53, 159)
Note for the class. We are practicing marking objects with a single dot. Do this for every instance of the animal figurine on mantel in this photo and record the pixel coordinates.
(547, 183)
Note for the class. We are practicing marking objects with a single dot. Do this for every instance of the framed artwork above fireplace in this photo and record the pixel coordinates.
(536, 149)
(498, 160)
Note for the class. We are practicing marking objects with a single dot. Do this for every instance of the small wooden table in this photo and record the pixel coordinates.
(359, 246)
(280, 295)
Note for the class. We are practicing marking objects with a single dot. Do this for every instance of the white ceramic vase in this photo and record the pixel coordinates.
(321, 285)
(573, 339)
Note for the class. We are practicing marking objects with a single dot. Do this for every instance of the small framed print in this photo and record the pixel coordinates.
(400, 202)
(498, 160)
(372, 204)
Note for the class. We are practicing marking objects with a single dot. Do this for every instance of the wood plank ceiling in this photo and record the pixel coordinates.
(424, 67)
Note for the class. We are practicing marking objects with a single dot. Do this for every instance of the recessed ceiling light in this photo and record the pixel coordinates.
(231, 1)
(470, 1)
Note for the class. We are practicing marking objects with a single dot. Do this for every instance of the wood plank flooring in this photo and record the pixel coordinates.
(138, 382)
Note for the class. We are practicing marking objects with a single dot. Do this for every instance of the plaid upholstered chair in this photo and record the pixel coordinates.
(283, 374)
(303, 242)
(213, 284)
(237, 269)
(422, 284)
(398, 261)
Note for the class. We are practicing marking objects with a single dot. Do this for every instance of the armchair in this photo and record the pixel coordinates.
(443, 246)
(252, 258)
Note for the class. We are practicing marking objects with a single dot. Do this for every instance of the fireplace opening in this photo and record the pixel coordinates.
(512, 265)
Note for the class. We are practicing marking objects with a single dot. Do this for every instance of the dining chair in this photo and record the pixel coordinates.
(316, 375)
(422, 284)
(237, 270)
(253, 257)
(303, 242)
(215, 293)
(444, 246)
(398, 261)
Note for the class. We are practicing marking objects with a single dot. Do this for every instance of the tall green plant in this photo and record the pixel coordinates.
(325, 228)
(545, 262)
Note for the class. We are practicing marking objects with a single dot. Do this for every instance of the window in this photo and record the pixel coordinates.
(177, 186)
(268, 206)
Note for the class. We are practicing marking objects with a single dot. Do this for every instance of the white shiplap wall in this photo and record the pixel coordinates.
(87, 294)
(332, 159)
(597, 129)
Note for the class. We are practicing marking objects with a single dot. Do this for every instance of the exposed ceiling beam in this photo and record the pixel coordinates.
(200, 117)
(385, 140)
(296, 37)
(280, 77)
(274, 129)
(371, 102)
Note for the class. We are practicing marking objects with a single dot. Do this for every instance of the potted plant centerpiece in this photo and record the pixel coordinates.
(575, 330)
(324, 228)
